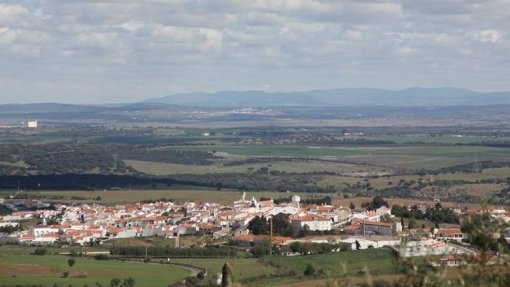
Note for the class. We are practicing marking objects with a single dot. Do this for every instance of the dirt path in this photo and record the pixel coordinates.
(193, 269)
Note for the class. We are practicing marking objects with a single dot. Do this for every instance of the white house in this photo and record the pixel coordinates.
(32, 124)
(313, 222)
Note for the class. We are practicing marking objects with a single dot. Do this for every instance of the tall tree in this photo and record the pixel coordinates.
(226, 279)
(258, 225)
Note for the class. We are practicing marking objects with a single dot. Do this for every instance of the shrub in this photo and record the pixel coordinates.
(309, 270)
(40, 251)
(71, 262)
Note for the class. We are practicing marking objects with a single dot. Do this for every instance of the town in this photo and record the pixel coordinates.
(244, 223)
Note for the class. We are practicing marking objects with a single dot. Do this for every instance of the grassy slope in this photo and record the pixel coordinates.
(242, 268)
(47, 270)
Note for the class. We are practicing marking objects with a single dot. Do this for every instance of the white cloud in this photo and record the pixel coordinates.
(488, 36)
(10, 13)
(405, 50)
(157, 47)
(7, 36)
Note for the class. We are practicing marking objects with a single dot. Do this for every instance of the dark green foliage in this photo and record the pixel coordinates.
(436, 214)
(4, 210)
(282, 225)
(226, 280)
(258, 225)
(60, 158)
(169, 252)
(71, 262)
(115, 282)
(309, 270)
(128, 282)
(261, 248)
(484, 232)
(40, 251)
(9, 229)
(377, 201)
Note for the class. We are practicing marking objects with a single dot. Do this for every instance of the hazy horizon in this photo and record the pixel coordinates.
(107, 52)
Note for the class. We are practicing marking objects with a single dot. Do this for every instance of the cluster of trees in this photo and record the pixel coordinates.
(436, 214)
(80, 181)
(170, 252)
(377, 202)
(4, 210)
(281, 226)
(62, 158)
(485, 233)
(258, 181)
(127, 282)
(9, 229)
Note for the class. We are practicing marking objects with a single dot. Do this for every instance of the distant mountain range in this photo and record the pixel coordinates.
(362, 97)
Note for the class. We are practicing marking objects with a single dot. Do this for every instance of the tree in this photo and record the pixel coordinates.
(412, 224)
(201, 275)
(282, 225)
(128, 282)
(258, 225)
(226, 279)
(262, 248)
(115, 282)
(378, 201)
(71, 262)
(309, 270)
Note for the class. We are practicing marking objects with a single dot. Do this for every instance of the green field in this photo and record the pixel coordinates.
(158, 168)
(242, 269)
(362, 158)
(47, 270)
(349, 263)
(275, 150)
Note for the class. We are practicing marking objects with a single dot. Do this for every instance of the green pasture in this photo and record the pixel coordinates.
(438, 139)
(242, 268)
(158, 168)
(275, 150)
(49, 269)
(407, 157)
(349, 263)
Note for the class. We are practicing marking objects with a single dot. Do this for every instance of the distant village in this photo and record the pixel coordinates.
(82, 224)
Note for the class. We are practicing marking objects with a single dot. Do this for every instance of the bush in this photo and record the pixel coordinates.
(101, 257)
(201, 275)
(71, 262)
(40, 251)
(309, 270)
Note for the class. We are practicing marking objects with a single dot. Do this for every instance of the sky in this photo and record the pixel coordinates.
(119, 51)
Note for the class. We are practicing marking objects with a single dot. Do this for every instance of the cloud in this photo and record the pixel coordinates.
(145, 48)
(488, 36)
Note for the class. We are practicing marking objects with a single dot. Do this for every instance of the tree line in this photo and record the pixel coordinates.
(171, 252)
